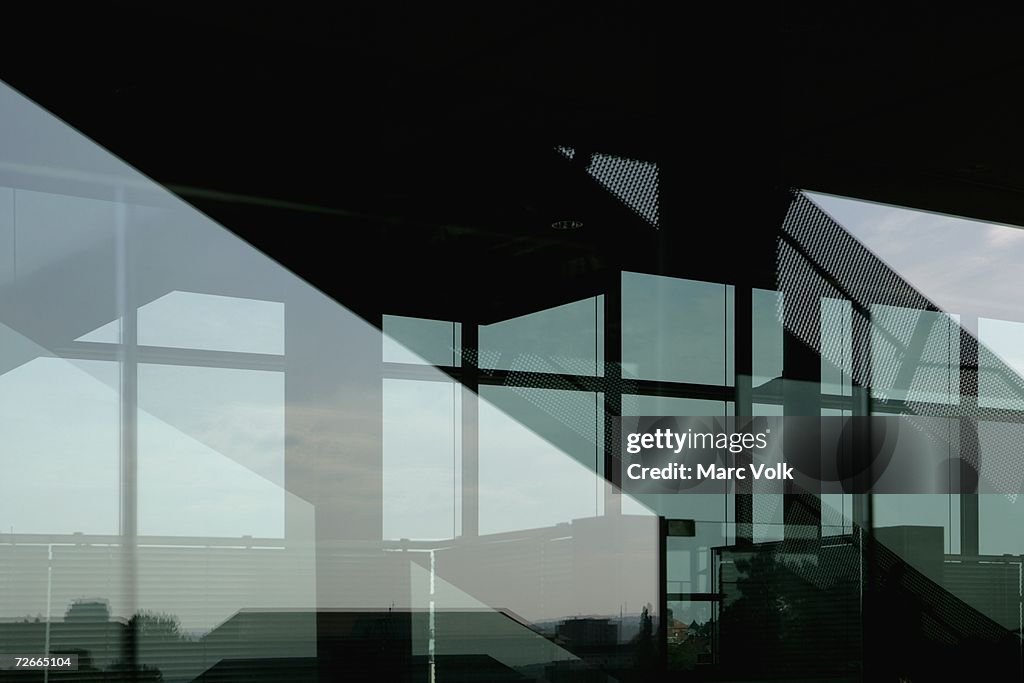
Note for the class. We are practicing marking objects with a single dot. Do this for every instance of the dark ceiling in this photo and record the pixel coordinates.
(425, 137)
(912, 104)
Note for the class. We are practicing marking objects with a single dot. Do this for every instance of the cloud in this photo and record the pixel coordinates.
(1001, 237)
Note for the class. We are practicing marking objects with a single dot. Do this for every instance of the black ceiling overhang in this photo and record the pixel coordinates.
(420, 145)
(908, 103)
(425, 138)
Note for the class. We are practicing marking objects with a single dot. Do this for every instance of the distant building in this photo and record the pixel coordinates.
(587, 633)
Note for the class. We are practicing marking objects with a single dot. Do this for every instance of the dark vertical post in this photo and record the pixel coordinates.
(663, 593)
(470, 429)
(743, 366)
(801, 371)
(860, 389)
(969, 448)
(613, 385)
(862, 522)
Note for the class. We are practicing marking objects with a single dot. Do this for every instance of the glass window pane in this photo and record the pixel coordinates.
(1001, 520)
(690, 634)
(915, 355)
(676, 330)
(767, 331)
(689, 560)
(60, 422)
(420, 341)
(1000, 363)
(700, 506)
(420, 459)
(836, 347)
(672, 406)
(563, 339)
(54, 229)
(7, 241)
(901, 511)
(191, 320)
(1000, 515)
(66, 265)
(538, 457)
(689, 570)
(211, 451)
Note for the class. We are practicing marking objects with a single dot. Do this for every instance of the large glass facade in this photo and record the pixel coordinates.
(215, 471)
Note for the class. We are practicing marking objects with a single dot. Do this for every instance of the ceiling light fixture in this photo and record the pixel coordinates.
(567, 225)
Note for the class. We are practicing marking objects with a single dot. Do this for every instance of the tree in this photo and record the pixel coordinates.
(151, 625)
(646, 652)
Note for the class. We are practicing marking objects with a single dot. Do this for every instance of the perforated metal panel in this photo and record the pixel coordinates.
(633, 182)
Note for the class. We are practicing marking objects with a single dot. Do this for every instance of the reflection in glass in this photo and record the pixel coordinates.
(60, 455)
(700, 506)
(58, 229)
(1000, 363)
(420, 459)
(7, 239)
(313, 503)
(767, 336)
(211, 513)
(417, 340)
(918, 510)
(690, 634)
(689, 559)
(1001, 518)
(564, 339)
(676, 330)
(211, 451)
(191, 320)
(538, 456)
(915, 355)
(836, 347)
